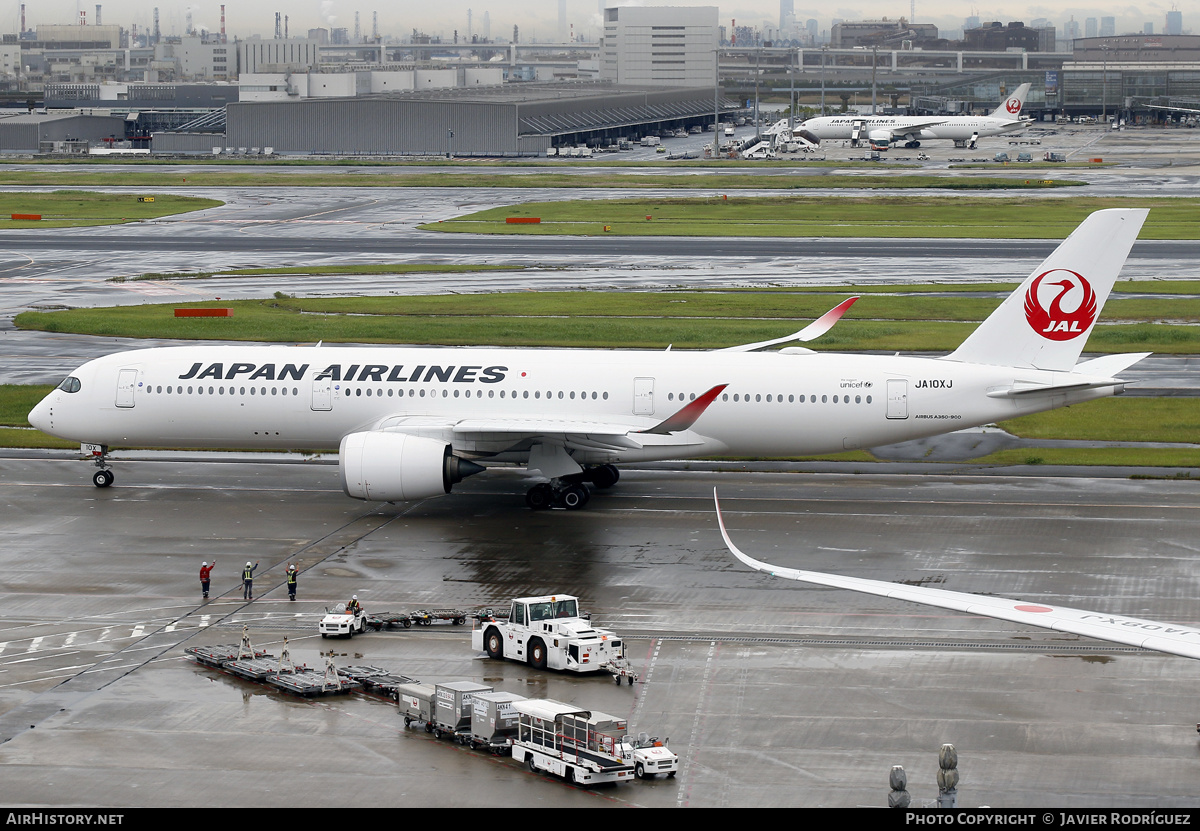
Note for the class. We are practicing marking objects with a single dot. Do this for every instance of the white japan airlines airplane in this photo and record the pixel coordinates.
(881, 131)
(411, 422)
(1147, 634)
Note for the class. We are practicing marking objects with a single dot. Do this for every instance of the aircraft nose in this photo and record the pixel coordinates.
(39, 416)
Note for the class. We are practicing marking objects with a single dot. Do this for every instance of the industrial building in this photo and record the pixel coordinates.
(510, 120)
(64, 132)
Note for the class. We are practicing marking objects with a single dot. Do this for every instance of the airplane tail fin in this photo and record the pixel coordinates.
(1045, 323)
(1011, 108)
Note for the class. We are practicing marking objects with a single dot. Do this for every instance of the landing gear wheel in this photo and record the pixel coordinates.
(494, 645)
(537, 654)
(103, 478)
(539, 497)
(605, 476)
(574, 497)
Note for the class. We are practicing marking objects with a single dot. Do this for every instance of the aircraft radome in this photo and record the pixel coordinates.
(882, 131)
(1172, 638)
(411, 422)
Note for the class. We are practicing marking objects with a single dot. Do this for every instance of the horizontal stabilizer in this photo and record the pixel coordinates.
(1109, 365)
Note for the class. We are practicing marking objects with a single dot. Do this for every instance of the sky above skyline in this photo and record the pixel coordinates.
(538, 19)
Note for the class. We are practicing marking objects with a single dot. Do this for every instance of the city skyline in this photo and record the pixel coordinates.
(539, 19)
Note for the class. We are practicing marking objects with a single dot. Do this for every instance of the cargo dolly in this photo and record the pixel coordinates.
(264, 668)
(219, 656)
(377, 681)
(619, 667)
(421, 617)
(310, 682)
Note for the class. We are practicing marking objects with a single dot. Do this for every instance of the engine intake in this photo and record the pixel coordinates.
(394, 467)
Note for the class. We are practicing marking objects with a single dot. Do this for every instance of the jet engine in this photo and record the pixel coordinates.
(393, 467)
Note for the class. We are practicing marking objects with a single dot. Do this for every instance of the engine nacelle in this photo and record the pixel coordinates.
(394, 467)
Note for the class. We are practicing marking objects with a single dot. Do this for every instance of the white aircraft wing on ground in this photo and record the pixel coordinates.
(1147, 634)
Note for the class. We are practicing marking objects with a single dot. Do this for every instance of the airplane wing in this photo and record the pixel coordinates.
(1147, 634)
(810, 332)
(911, 128)
(619, 434)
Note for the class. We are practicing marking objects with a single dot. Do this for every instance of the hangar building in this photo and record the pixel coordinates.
(508, 120)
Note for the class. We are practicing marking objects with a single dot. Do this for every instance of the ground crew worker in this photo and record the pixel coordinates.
(248, 581)
(291, 581)
(354, 607)
(205, 571)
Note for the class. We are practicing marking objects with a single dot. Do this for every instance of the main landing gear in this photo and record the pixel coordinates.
(571, 492)
(103, 477)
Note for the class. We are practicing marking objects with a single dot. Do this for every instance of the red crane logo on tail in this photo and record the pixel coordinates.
(1054, 323)
(1013, 105)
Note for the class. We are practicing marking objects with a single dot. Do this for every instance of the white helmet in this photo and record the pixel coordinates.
(204, 563)
(247, 564)
(355, 597)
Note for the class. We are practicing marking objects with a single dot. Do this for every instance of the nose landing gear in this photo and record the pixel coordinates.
(103, 477)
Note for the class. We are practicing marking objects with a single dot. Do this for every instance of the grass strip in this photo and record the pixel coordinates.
(68, 209)
(644, 320)
(825, 216)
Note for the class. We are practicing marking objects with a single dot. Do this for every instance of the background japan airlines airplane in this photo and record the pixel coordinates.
(1146, 634)
(884, 130)
(411, 422)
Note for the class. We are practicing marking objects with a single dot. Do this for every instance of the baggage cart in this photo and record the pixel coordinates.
(494, 721)
(452, 708)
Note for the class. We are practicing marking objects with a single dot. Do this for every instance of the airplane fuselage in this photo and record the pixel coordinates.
(775, 404)
(954, 128)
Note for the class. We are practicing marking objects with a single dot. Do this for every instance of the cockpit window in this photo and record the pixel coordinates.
(69, 384)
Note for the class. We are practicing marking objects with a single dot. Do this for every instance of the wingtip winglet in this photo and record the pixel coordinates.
(686, 416)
